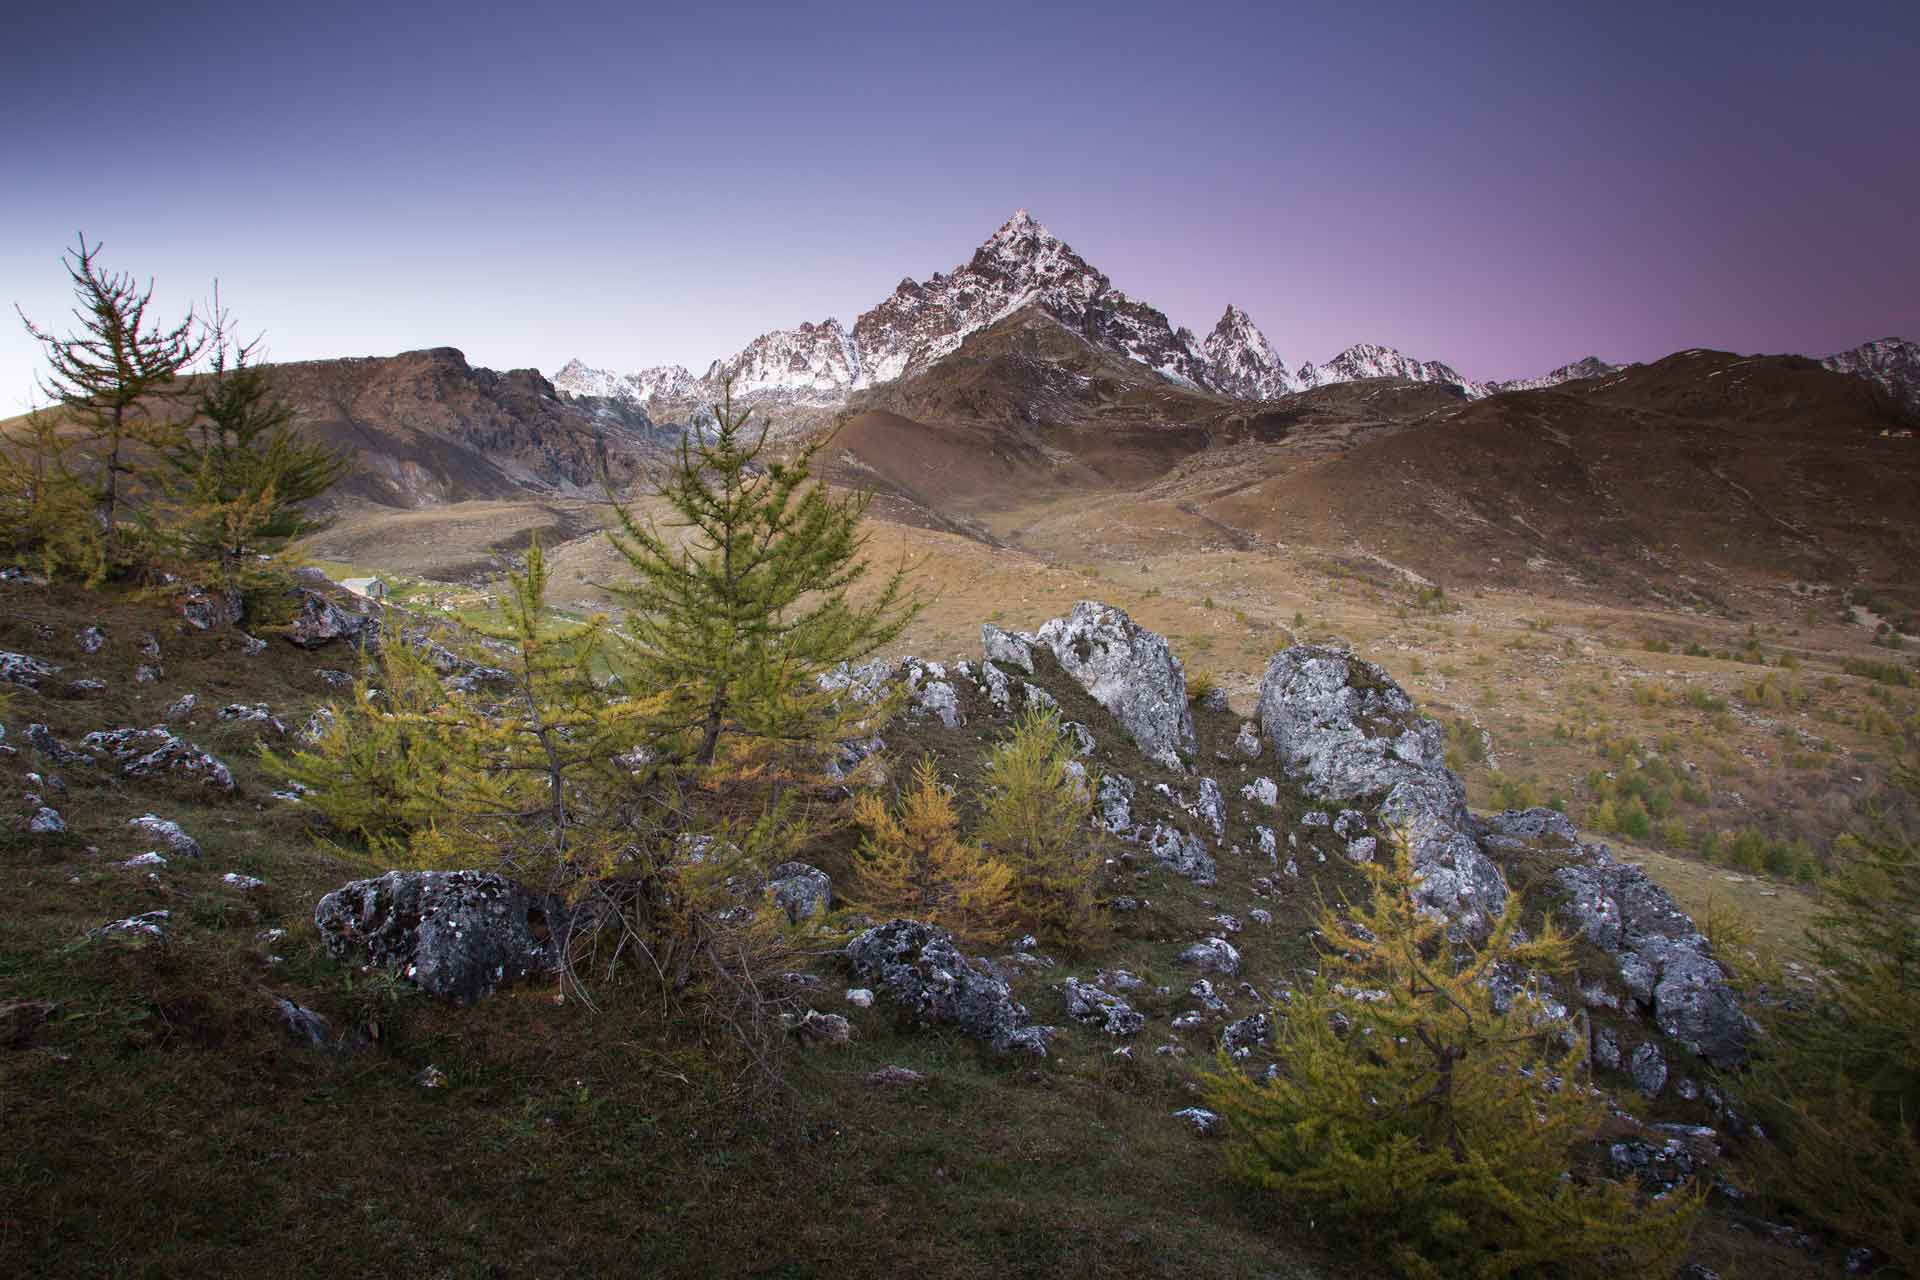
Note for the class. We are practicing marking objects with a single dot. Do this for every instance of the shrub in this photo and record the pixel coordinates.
(1410, 1108)
(1201, 683)
(1036, 815)
(913, 862)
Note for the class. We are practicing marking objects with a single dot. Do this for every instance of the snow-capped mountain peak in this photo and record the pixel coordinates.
(1370, 360)
(1021, 264)
(1241, 362)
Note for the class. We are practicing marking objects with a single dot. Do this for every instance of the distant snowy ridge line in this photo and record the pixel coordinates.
(819, 365)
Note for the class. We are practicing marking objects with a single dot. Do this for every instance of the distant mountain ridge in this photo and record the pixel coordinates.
(819, 365)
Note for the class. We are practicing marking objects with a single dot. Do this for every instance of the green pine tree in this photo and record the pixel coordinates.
(732, 622)
(1409, 1108)
(110, 376)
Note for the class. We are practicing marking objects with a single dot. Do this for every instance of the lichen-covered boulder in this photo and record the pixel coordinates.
(1350, 733)
(321, 622)
(1212, 955)
(168, 832)
(1183, 854)
(801, 891)
(1116, 803)
(27, 672)
(454, 934)
(1131, 672)
(918, 967)
(1098, 1008)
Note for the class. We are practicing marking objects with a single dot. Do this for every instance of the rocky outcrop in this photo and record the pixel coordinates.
(321, 621)
(919, 968)
(1131, 672)
(1663, 964)
(156, 753)
(1007, 648)
(801, 891)
(1342, 726)
(454, 934)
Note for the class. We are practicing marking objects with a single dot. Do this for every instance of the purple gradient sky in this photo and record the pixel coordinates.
(1505, 187)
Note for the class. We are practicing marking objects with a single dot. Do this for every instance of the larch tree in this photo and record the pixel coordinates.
(108, 375)
(238, 479)
(740, 600)
(1414, 1107)
(1036, 816)
(914, 861)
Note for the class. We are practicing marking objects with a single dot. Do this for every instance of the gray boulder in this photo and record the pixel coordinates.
(1212, 955)
(206, 608)
(1350, 733)
(1182, 854)
(91, 639)
(46, 822)
(803, 892)
(18, 668)
(321, 622)
(1211, 807)
(1648, 1067)
(168, 832)
(919, 968)
(1201, 1121)
(1095, 1007)
(454, 934)
(1131, 672)
(1116, 803)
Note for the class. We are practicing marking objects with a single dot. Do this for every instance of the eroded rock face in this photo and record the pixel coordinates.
(1350, 733)
(454, 934)
(1131, 672)
(918, 967)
